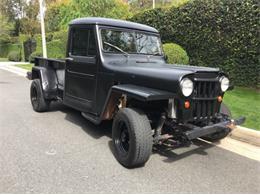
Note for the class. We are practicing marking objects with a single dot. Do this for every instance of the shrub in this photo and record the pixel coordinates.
(14, 56)
(5, 49)
(216, 33)
(33, 55)
(175, 53)
(56, 49)
(56, 45)
(60, 35)
(49, 37)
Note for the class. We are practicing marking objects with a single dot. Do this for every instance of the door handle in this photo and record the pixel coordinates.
(69, 59)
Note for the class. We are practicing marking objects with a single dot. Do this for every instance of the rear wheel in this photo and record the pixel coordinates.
(132, 137)
(222, 134)
(39, 103)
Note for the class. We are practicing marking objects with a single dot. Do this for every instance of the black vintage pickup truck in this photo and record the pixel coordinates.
(116, 70)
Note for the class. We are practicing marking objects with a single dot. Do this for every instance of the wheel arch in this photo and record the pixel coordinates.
(48, 81)
(118, 95)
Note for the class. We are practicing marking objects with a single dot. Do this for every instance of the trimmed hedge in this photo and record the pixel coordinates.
(56, 49)
(175, 53)
(14, 56)
(56, 44)
(33, 55)
(6, 48)
(216, 33)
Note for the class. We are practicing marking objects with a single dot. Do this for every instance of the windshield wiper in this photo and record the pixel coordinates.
(117, 48)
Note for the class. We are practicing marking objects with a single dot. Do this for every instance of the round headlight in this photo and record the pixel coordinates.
(186, 87)
(224, 83)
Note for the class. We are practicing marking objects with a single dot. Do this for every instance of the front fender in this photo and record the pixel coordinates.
(143, 93)
(138, 92)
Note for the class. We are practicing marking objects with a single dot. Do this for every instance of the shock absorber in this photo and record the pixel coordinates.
(158, 129)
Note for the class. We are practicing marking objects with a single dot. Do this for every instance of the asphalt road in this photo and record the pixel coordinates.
(60, 152)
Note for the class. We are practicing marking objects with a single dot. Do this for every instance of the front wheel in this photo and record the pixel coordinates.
(222, 134)
(39, 103)
(132, 137)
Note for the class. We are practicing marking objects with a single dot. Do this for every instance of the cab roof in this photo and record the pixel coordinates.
(112, 22)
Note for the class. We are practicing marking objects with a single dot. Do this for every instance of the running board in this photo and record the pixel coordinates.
(92, 118)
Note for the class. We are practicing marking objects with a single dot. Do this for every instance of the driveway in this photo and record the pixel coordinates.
(60, 152)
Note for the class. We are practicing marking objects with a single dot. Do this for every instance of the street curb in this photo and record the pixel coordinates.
(239, 147)
(15, 69)
(247, 135)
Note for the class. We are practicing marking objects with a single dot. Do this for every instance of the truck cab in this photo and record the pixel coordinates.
(117, 70)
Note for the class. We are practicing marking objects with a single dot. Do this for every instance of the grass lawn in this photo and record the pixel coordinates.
(245, 102)
(25, 66)
(3, 59)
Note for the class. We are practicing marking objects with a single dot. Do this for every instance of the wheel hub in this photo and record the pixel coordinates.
(124, 137)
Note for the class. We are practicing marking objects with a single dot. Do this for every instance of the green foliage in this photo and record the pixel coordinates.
(12, 9)
(56, 46)
(5, 29)
(53, 15)
(60, 35)
(178, 3)
(56, 49)
(101, 8)
(5, 49)
(155, 18)
(29, 24)
(33, 55)
(175, 53)
(216, 33)
(14, 56)
(137, 6)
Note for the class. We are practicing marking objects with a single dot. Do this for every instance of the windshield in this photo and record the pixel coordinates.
(130, 42)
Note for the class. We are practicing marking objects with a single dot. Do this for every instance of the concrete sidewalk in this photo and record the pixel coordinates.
(11, 67)
(12, 63)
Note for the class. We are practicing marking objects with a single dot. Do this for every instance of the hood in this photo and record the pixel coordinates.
(154, 74)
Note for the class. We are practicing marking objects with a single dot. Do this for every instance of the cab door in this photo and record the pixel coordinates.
(81, 69)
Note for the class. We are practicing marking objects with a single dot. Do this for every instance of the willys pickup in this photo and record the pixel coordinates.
(116, 70)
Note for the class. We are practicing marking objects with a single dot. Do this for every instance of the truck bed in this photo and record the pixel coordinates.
(57, 65)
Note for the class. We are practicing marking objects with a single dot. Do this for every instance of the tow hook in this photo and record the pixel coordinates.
(235, 122)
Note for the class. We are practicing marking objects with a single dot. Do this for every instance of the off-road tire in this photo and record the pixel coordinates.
(39, 103)
(140, 137)
(222, 134)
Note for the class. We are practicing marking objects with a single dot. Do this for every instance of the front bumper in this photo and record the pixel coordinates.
(207, 130)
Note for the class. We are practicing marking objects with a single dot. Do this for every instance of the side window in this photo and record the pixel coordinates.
(83, 42)
(92, 51)
(79, 42)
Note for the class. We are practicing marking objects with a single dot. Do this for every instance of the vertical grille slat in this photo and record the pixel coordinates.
(205, 108)
(204, 93)
(210, 89)
(198, 90)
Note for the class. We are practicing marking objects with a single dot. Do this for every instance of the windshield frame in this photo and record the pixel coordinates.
(100, 28)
